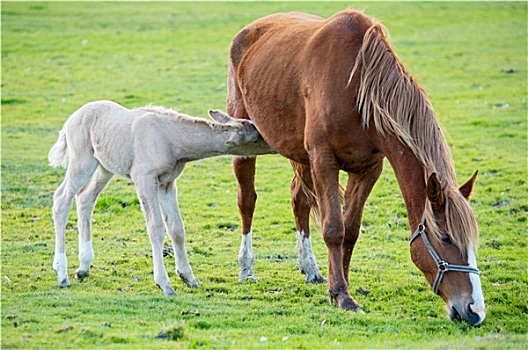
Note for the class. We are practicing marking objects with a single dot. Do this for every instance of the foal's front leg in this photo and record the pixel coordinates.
(168, 197)
(147, 189)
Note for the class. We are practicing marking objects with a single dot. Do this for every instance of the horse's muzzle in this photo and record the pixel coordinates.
(466, 314)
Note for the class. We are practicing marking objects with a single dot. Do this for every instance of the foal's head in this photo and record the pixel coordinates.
(238, 131)
(444, 249)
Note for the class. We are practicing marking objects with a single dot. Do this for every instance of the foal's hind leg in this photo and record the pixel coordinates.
(168, 197)
(86, 198)
(147, 189)
(244, 168)
(303, 199)
(80, 169)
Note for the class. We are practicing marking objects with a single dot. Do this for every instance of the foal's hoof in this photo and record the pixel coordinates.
(167, 290)
(170, 293)
(189, 281)
(64, 283)
(82, 274)
(192, 283)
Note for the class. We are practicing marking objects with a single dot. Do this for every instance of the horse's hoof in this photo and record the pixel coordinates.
(346, 302)
(349, 304)
(247, 277)
(315, 279)
(64, 283)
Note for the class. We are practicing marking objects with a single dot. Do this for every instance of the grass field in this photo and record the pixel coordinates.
(470, 57)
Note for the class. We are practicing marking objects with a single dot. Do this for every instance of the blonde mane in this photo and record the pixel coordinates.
(395, 103)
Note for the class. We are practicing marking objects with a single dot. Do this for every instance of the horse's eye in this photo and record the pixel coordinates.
(447, 240)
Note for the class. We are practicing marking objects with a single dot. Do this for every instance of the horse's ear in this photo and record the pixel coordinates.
(220, 116)
(467, 188)
(435, 193)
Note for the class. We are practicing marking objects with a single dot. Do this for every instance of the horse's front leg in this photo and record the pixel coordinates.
(147, 189)
(357, 191)
(325, 174)
(303, 199)
(168, 197)
(86, 198)
(244, 169)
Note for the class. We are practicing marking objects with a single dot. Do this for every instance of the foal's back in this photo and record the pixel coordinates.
(117, 136)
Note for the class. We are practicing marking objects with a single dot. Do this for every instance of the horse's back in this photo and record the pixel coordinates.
(292, 70)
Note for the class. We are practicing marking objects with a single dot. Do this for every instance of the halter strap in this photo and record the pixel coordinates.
(443, 266)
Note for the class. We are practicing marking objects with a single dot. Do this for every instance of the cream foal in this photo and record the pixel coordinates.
(150, 146)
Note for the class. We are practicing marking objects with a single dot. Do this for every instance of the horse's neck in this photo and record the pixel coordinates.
(411, 179)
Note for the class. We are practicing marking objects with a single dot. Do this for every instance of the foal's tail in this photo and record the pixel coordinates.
(58, 154)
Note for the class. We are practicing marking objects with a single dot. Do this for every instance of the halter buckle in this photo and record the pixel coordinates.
(443, 265)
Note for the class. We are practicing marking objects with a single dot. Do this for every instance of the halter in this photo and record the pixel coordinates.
(443, 266)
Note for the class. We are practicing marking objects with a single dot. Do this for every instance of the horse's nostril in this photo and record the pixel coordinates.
(475, 318)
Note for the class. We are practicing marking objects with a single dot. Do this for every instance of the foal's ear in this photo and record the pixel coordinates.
(435, 193)
(467, 188)
(220, 117)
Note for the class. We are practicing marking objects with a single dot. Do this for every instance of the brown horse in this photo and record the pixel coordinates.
(332, 95)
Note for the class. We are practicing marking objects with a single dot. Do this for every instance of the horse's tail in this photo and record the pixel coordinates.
(309, 192)
(58, 154)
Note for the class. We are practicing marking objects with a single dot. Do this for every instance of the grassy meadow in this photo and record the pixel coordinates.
(56, 56)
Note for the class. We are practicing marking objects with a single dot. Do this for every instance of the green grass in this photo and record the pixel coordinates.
(56, 56)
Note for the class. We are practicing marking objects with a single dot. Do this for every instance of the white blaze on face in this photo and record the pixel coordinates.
(477, 296)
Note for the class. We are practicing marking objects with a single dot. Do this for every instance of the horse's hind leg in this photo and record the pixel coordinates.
(303, 200)
(244, 169)
(168, 197)
(86, 198)
(147, 188)
(80, 169)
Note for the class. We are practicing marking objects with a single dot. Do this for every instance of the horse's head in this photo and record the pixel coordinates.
(444, 249)
(240, 131)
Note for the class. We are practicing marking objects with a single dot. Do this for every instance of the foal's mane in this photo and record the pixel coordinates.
(169, 112)
(390, 97)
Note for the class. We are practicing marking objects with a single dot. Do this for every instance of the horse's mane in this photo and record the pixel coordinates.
(395, 103)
